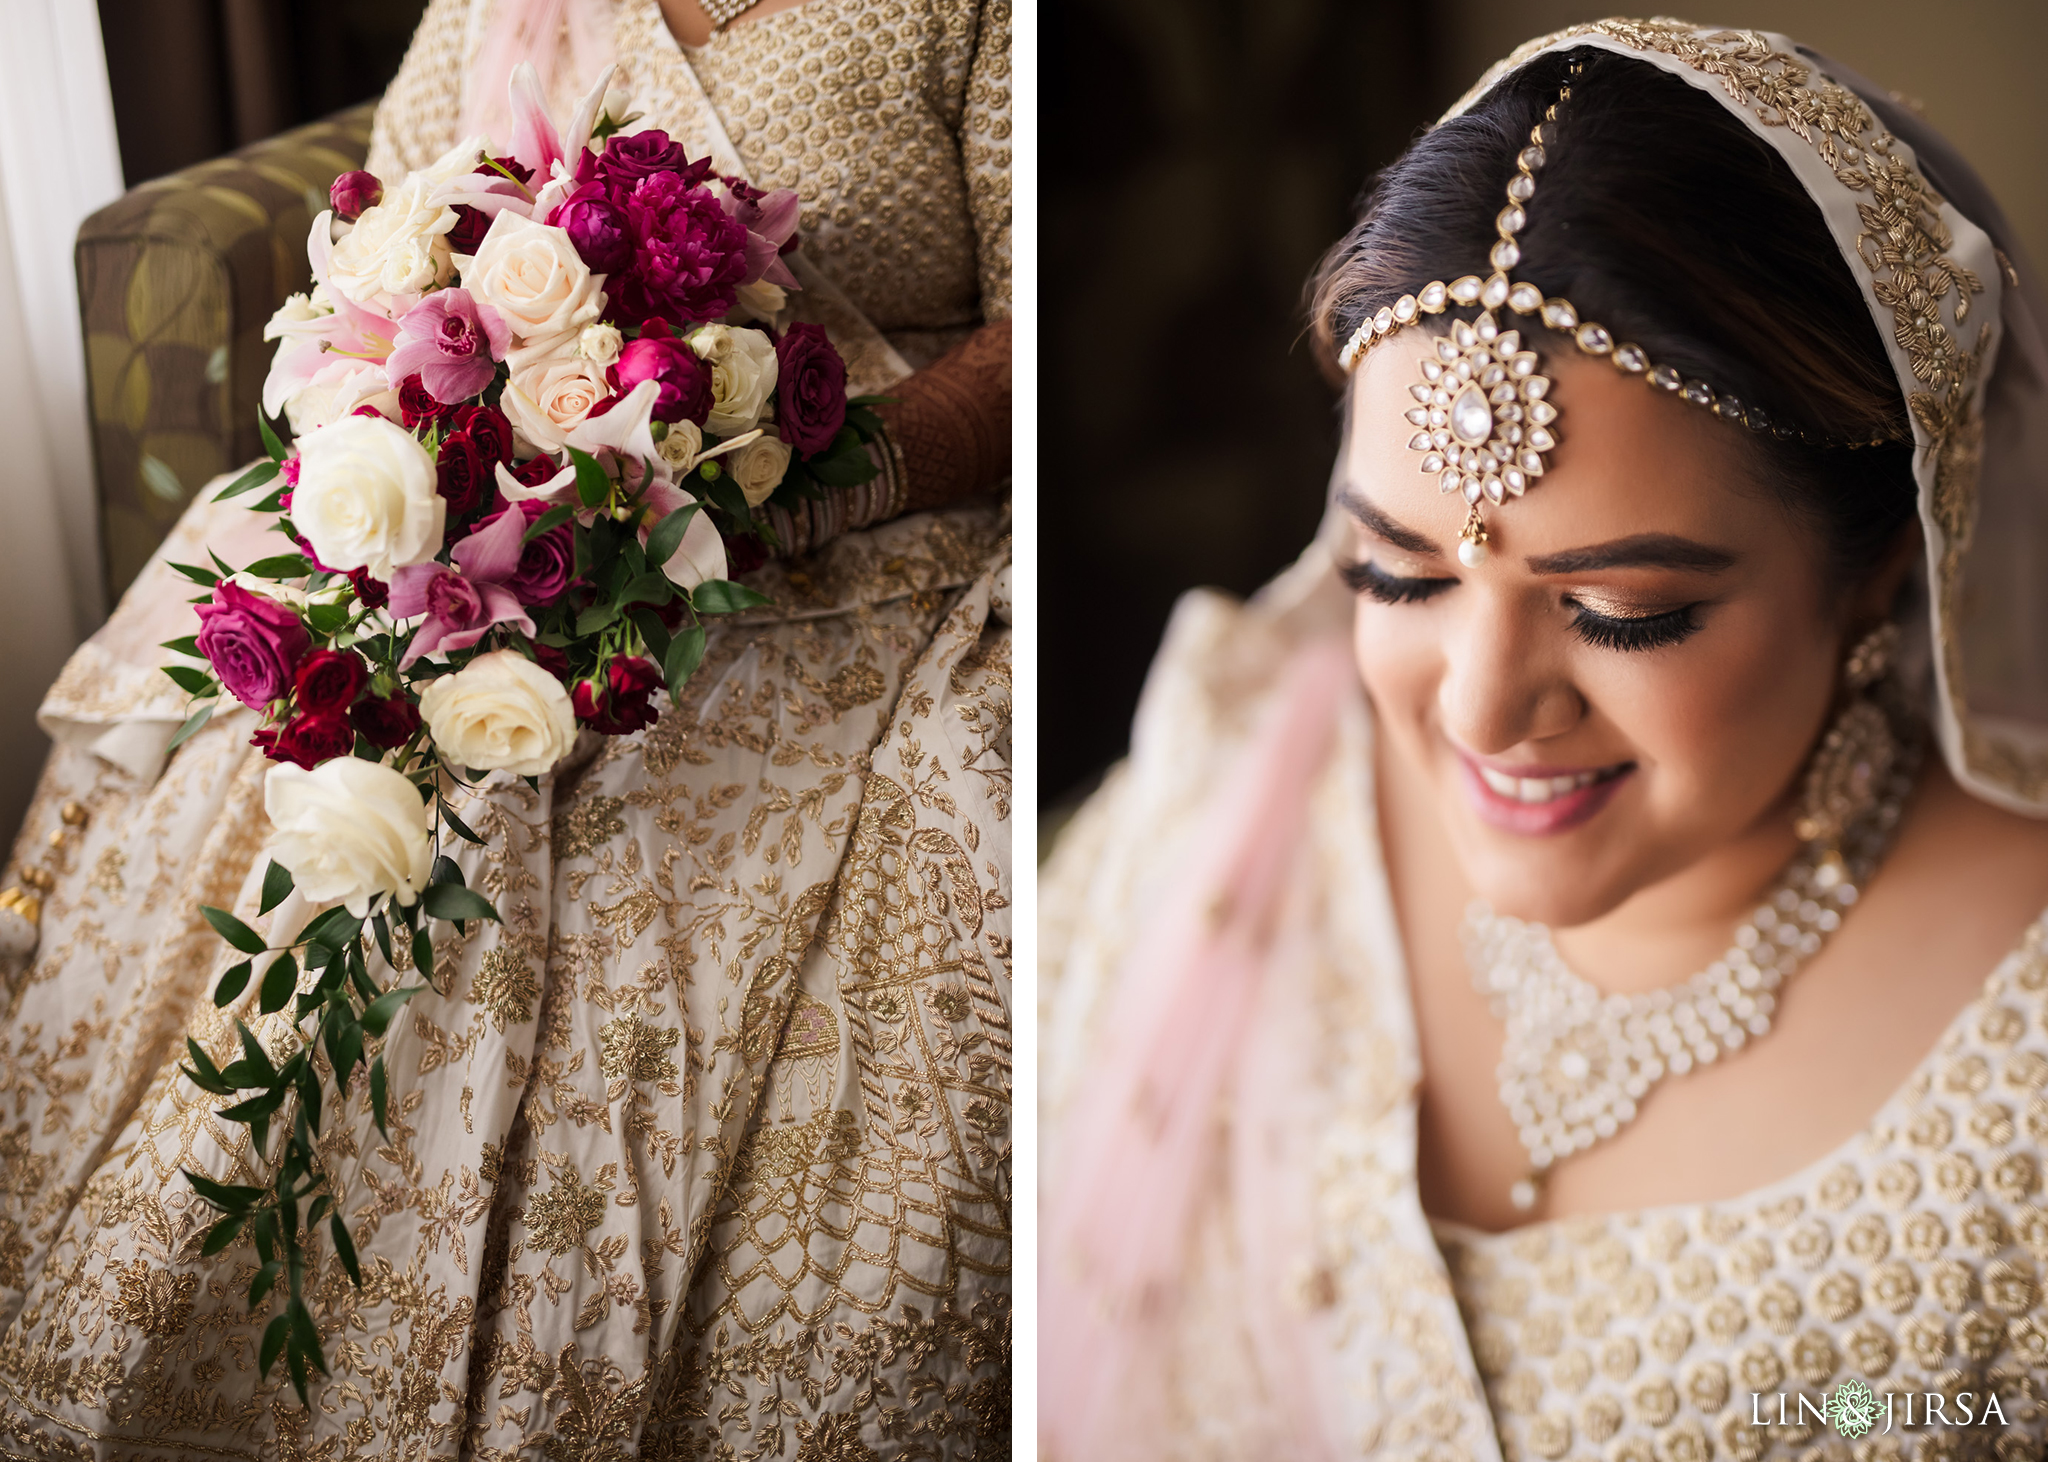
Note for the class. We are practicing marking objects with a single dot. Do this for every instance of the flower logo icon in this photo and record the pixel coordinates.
(1852, 1410)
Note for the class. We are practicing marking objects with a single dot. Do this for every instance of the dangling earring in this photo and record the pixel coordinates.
(1854, 759)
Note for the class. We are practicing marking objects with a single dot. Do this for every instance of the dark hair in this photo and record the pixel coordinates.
(1665, 218)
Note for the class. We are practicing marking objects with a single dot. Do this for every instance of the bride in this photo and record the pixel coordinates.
(705, 1153)
(1605, 1009)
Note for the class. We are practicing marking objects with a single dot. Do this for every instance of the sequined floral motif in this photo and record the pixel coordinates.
(636, 1051)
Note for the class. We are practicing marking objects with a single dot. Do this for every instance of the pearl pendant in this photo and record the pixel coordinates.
(1471, 554)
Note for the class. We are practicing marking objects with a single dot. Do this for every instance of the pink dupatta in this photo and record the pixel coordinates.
(1182, 1033)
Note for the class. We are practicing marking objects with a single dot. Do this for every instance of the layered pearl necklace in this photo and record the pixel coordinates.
(1577, 1062)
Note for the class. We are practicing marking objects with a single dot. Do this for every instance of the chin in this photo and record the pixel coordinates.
(1546, 885)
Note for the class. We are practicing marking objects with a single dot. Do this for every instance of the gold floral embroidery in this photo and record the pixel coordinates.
(560, 1217)
(504, 985)
(155, 1301)
(587, 826)
(633, 1050)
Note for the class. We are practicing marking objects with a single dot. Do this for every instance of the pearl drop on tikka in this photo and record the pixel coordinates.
(1471, 554)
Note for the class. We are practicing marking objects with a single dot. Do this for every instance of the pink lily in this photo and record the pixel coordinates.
(463, 603)
(770, 221)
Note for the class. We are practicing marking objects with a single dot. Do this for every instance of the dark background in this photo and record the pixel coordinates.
(1196, 157)
(195, 78)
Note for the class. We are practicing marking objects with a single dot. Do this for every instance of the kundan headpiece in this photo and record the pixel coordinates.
(1485, 423)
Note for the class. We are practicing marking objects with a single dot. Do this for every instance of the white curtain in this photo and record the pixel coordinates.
(58, 162)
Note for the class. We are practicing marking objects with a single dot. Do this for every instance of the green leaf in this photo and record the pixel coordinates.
(423, 953)
(446, 870)
(256, 1106)
(547, 522)
(203, 1073)
(232, 982)
(348, 1053)
(667, 536)
(279, 981)
(254, 478)
(270, 442)
(592, 486)
(277, 882)
(649, 588)
(309, 1095)
(223, 1233)
(306, 1334)
(723, 491)
(723, 596)
(460, 828)
(274, 1336)
(233, 930)
(281, 566)
(189, 678)
(382, 926)
(596, 619)
(261, 1284)
(453, 902)
(189, 645)
(197, 575)
(253, 1052)
(376, 1018)
(872, 400)
(685, 654)
(336, 930)
(379, 1096)
(845, 463)
(864, 421)
(327, 618)
(191, 727)
(229, 1197)
(345, 1249)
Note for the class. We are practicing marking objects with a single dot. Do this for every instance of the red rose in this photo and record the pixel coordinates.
(386, 721)
(471, 224)
(329, 681)
(743, 554)
(489, 428)
(309, 740)
(551, 659)
(623, 706)
(810, 389)
(373, 593)
(684, 391)
(464, 479)
(416, 404)
(535, 471)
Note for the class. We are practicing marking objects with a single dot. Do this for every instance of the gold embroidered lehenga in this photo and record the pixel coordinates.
(1300, 1302)
(706, 1151)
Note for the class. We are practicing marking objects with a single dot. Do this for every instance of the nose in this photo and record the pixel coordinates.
(1499, 688)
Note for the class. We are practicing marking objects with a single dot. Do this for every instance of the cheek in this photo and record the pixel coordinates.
(1400, 662)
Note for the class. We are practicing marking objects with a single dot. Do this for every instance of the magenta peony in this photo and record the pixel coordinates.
(598, 228)
(689, 255)
(685, 379)
(627, 159)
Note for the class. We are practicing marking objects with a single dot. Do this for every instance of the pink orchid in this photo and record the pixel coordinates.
(463, 603)
(770, 220)
(450, 341)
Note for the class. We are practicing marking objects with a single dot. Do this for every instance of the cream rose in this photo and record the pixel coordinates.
(549, 400)
(600, 344)
(500, 712)
(757, 468)
(349, 829)
(743, 375)
(366, 497)
(533, 277)
(397, 248)
(680, 445)
(762, 300)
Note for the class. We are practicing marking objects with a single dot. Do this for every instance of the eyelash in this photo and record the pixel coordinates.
(1644, 632)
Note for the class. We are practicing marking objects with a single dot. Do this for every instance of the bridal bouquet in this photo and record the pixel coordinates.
(534, 402)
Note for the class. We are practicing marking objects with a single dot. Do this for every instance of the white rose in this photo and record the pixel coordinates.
(398, 247)
(762, 300)
(743, 375)
(461, 160)
(549, 400)
(757, 467)
(600, 344)
(336, 392)
(347, 830)
(680, 446)
(500, 712)
(366, 497)
(532, 276)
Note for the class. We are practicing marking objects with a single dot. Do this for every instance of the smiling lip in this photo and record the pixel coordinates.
(1539, 801)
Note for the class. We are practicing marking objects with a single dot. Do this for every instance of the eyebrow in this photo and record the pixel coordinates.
(1638, 551)
(1404, 538)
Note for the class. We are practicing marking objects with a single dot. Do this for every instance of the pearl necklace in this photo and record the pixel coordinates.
(1576, 1061)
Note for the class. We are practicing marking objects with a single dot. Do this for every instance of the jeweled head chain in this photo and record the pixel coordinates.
(1484, 423)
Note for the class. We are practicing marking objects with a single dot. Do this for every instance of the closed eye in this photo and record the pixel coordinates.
(1636, 632)
(1368, 578)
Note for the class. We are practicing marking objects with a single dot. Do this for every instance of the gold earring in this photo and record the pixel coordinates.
(1854, 759)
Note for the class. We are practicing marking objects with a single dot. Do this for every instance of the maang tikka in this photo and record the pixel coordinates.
(1484, 421)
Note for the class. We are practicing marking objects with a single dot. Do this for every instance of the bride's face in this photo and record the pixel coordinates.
(1634, 676)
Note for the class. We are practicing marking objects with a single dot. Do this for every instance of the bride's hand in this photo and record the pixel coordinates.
(951, 420)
